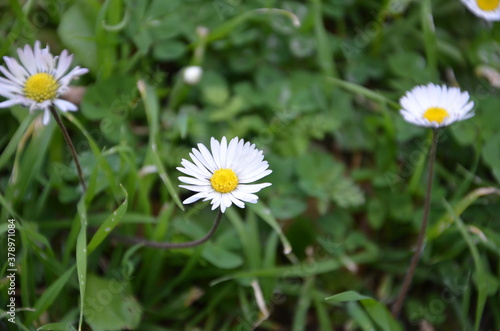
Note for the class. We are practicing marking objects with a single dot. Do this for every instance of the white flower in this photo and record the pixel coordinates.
(487, 9)
(39, 80)
(192, 75)
(436, 106)
(224, 174)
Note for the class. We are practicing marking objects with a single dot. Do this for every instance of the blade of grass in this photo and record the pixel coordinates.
(481, 272)
(101, 160)
(227, 27)
(376, 310)
(302, 270)
(108, 225)
(429, 32)
(360, 316)
(81, 256)
(324, 53)
(151, 105)
(358, 89)
(29, 161)
(446, 220)
(49, 296)
(81, 240)
(303, 305)
(57, 327)
(416, 178)
(249, 238)
(14, 141)
(321, 311)
(264, 213)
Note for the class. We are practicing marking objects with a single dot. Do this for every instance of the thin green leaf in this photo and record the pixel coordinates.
(265, 213)
(14, 141)
(49, 296)
(303, 305)
(445, 221)
(358, 89)
(481, 272)
(150, 100)
(57, 327)
(108, 225)
(377, 311)
(81, 255)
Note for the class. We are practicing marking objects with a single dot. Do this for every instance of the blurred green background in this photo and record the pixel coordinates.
(348, 173)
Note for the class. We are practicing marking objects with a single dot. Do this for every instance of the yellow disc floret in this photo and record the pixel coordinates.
(41, 87)
(224, 180)
(436, 114)
(488, 5)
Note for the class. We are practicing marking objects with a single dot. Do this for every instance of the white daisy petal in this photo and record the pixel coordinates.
(247, 197)
(197, 171)
(435, 106)
(197, 188)
(37, 79)
(236, 201)
(215, 147)
(10, 103)
(46, 117)
(64, 105)
(488, 10)
(223, 152)
(194, 198)
(200, 166)
(223, 175)
(231, 152)
(10, 76)
(63, 63)
(193, 181)
(252, 188)
(206, 156)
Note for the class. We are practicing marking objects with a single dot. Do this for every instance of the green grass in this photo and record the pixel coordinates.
(328, 244)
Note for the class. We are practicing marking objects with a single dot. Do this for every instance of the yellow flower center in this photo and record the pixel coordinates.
(41, 87)
(436, 114)
(488, 5)
(224, 180)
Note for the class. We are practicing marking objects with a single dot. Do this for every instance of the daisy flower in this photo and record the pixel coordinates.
(435, 106)
(224, 174)
(39, 80)
(487, 9)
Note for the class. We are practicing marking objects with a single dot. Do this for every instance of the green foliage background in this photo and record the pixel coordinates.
(342, 215)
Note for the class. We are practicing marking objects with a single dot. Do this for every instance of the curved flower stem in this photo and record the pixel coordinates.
(163, 245)
(70, 146)
(396, 308)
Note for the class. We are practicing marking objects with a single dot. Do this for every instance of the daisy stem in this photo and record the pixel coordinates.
(70, 146)
(163, 245)
(396, 308)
